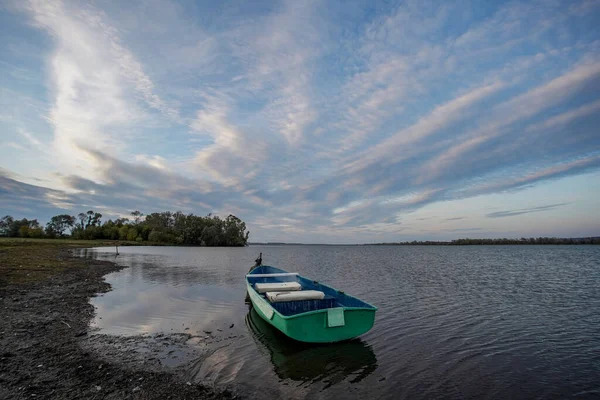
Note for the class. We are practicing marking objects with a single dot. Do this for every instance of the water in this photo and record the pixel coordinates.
(453, 322)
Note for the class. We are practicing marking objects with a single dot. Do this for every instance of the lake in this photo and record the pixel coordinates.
(491, 322)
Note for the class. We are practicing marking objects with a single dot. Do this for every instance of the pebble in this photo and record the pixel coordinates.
(98, 388)
(136, 389)
(40, 366)
(189, 383)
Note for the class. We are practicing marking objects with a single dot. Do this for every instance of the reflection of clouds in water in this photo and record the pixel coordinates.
(137, 307)
(167, 294)
(149, 297)
(433, 301)
(208, 266)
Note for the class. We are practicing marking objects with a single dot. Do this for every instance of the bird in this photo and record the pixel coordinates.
(258, 261)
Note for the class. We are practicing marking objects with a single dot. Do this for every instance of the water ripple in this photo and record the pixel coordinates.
(453, 322)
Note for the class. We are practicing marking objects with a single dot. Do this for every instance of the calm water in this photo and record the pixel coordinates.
(453, 322)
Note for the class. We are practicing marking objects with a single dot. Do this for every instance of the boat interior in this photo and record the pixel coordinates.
(291, 294)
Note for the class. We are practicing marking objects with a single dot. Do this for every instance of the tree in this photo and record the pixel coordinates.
(5, 225)
(93, 218)
(121, 221)
(14, 227)
(137, 216)
(23, 231)
(235, 231)
(82, 218)
(123, 231)
(166, 227)
(58, 224)
(132, 234)
(36, 233)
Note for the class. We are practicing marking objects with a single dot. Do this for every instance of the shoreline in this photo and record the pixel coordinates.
(45, 313)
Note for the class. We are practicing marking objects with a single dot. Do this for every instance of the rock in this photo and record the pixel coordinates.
(231, 326)
(136, 389)
(98, 388)
(189, 383)
(40, 366)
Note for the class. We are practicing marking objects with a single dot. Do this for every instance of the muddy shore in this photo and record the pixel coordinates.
(44, 338)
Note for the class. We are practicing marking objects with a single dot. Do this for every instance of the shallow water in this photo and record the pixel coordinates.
(453, 322)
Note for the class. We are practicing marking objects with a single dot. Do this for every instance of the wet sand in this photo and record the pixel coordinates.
(46, 348)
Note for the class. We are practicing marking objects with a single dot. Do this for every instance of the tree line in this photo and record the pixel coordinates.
(503, 241)
(164, 227)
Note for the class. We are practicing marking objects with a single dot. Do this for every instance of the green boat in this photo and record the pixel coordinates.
(306, 362)
(307, 310)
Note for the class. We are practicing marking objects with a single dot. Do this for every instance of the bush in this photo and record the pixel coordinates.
(36, 233)
(132, 234)
(155, 236)
(24, 231)
(123, 231)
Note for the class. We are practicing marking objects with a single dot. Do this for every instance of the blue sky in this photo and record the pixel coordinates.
(313, 121)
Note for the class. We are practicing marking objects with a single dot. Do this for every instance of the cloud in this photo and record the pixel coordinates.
(98, 85)
(311, 119)
(567, 117)
(464, 230)
(512, 213)
(395, 148)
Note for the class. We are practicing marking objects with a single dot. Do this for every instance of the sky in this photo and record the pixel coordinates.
(312, 121)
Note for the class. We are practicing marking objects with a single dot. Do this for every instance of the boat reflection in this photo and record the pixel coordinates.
(352, 360)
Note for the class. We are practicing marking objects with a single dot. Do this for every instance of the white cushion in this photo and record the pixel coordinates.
(275, 297)
(277, 287)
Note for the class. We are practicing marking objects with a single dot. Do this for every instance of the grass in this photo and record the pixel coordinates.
(28, 260)
(18, 242)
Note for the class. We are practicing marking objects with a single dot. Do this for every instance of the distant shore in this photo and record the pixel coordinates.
(457, 242)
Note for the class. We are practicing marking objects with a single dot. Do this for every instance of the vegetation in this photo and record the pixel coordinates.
(28, 260)
(165, 227)
(504, 241)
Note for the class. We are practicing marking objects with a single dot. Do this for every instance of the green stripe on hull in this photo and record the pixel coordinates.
(316, 326)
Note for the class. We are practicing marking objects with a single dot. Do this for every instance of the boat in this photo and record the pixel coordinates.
(307, 310)
(306, 362)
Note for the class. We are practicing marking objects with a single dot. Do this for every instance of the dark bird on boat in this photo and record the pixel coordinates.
(258, 261)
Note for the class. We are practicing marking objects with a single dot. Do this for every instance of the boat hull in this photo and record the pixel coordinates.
(315, 326)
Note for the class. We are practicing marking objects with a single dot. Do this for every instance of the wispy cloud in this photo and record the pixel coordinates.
(512, 213)
(308, 119)
(91, 72)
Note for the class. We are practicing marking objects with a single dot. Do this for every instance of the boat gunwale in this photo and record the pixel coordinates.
(370, 308)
